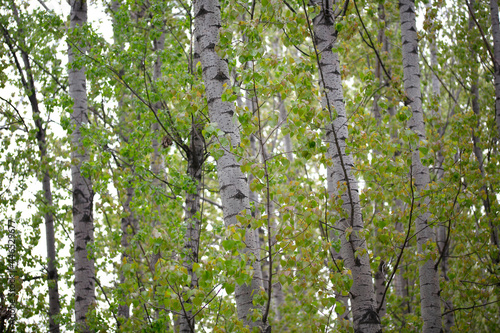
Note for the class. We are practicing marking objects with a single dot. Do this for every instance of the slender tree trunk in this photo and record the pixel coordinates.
(442, 230)
(28, 83)
(379, 285)
(193, 219)
(429, 283)
(157, 162)
(495, 30)
(129, 220)
(283, 116)
(363, 303)
(232, 183)
(83, 220)
(487, 193)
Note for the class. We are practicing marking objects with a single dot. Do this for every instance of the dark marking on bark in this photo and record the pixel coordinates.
(202, 12)
(239, 195)
(220, 77)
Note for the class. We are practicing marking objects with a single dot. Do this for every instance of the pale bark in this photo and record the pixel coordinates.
(344, 184)
(442, 230)
(428, 275)
(283, 114)
(28, 83)
(232, 183)
(283, 117)
(495, 30)
(156, 160)
(83, 220)
(128, 221)
(379, 284)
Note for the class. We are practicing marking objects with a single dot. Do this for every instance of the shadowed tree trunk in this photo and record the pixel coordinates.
(495, 31)
(83, 221)
(428, 275)
(196, 158)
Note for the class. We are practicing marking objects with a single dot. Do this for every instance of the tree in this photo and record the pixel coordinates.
(83, 196)
(429, 283)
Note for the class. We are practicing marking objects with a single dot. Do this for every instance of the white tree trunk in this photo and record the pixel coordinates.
(353, 246)
(429, 283)
(232, 183)
(83, 220)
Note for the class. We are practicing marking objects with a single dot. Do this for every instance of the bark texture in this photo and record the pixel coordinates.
(344, 184)
(428, 275)
(83, 221)
(233, 185)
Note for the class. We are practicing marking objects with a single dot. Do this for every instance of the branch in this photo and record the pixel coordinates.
(371, 45)
(44, 5)
(211, 202)
(471, 12)
(407, 238)
(437, 76)
(470, 307)
(17, 111)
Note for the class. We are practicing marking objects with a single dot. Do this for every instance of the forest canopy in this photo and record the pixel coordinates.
(249, 166)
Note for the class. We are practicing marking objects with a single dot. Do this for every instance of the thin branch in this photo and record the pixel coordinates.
(107, 299)
(371, 45)
(437, 76)
(407, 238)
(44, 5)
(17, 111)
(471, 12)
(470, 307)
(211, 202)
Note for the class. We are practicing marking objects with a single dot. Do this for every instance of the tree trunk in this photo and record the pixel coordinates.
(495, 30)
(28, 83)
(232, 183)
(193, 220)
(380, 283)
(429, 283)
(353, 246)
(128, 221)
(442, 230)
(83, 221)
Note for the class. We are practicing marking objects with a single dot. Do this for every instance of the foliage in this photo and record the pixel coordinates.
(271, 57)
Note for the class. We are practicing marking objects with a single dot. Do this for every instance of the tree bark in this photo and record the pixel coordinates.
(83, 220)
(429, 283)
(233, 184)
(442, 230)
(28, 83)
(193, 220)
(128, 221)
(353, 246)
(495, 30)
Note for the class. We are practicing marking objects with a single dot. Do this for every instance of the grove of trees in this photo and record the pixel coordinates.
(250, 166)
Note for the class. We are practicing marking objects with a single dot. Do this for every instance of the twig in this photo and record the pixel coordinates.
(404, 243)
